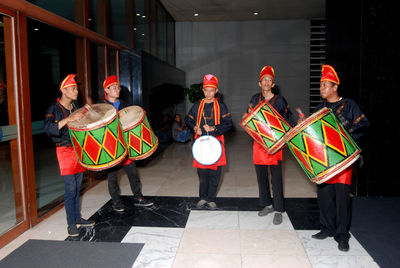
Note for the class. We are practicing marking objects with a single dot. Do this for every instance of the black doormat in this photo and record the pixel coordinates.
(60, 254)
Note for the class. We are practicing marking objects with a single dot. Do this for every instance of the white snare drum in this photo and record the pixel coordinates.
(207, 150)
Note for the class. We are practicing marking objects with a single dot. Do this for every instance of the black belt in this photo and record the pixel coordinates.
(64, 143)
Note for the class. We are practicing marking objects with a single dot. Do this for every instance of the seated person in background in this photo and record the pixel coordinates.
(164, 133)
(180, 132)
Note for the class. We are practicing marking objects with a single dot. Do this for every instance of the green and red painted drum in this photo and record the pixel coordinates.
(322, 146)
(98, 138)
(139, 137)
(266, 126)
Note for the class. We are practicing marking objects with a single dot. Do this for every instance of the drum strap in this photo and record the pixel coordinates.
(217, 112)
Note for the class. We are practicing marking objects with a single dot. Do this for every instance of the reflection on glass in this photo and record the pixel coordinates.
(63, 8)
(171, 41)
(141, 27)
(51, 57)
(162, 33)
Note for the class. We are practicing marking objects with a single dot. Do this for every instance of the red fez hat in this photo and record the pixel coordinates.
(111, 80)
(267, 70)
(329, 74)
(210, 80)
(68, 81)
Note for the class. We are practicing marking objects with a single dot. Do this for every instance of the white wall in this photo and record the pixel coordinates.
(236, 51)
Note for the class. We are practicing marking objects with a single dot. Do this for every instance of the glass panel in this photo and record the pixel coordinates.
(112, 61)
(8, 144)
(171, 41)
(153, 22)
(97, 71)
(92, 15)
(141, 26)
(51, 57)
(162, 33)
(119, 22)
(63, 8)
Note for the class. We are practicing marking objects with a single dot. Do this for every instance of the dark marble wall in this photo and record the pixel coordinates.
(363, 46)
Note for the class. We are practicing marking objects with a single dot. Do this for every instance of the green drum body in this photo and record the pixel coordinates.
(321, 146)
(140, 139)
(98, 138)
(266, 126)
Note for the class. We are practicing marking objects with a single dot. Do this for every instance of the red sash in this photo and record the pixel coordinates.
(67, 161)
(217, 120)
(261, 157)
(343, 177)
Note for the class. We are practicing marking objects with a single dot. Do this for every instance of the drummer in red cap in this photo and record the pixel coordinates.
(334, 194)
(209, 116)
(112, 91)
(261, 159)
(57, 117)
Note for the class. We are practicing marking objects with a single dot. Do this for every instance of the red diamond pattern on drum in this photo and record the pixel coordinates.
(303, 159)
(92, 148)
(256, 136)
(120, 134)
(264, 130)
(77, 147)
(333, 139)
(146, 135)
(316, 150)
(343, 133)
(273, 121)
(135, 142)
(110, 143)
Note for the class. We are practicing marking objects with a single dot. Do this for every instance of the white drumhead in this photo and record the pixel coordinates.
(131, 115)
(207, 150)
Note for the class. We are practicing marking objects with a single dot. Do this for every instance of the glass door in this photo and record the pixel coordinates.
(11, 194)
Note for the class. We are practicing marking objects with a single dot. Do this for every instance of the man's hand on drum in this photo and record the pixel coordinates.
(75, 117)
(208, 128)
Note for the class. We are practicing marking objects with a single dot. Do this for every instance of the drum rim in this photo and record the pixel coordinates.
(133, 125)
(247, 118)
(208, 137)
(104, 166)
(102, 122)
(336, 169)
(301, 126)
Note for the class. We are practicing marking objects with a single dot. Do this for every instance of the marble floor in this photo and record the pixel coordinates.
(176, 234)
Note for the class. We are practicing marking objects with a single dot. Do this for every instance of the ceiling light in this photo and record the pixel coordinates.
(196, 14)
(138, 14)
(142, 34)
(143, 16)
(255, 13)
(134, 28)
(90, 19)
(36, 29)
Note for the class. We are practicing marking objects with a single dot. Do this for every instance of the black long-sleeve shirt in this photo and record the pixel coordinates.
(208, 111)
(349, 115)
(54, 114)
(278, 102)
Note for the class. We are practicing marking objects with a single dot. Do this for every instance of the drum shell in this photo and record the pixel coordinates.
(266, 126)
(321, 146)
(101, 145)
(139, 137)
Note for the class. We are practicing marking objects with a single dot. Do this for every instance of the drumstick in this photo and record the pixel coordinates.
(301, 115)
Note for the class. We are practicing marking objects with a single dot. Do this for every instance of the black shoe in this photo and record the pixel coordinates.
(321, 235)
(343, 245)
(141, 202)
(73, 231)
(117, 206)
(85, 223)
